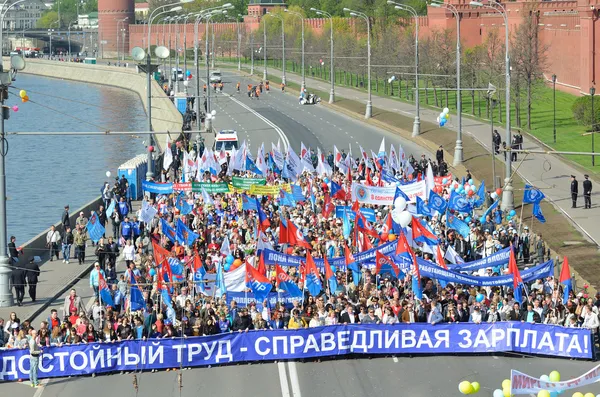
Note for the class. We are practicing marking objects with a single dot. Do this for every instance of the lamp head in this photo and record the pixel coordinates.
(554, 78)
(313, 9)
(175, 9)
(391, 2)
(346, 9)
(476, 4)
(354, 14)
(399, 8)
(436, 5)
(227, 5)
(592, 91)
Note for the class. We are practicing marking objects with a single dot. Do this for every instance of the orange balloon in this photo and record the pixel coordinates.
(391, 237)
(498, 191)
(471, 193)
(236, 263)
(25, 99)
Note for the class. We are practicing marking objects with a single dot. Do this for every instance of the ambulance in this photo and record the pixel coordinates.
(226, 140)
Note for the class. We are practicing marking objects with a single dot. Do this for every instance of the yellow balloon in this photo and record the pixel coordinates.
(465, 387)
(506, 392)
(506, 384)
(578, 394)
(22, 93)
(447, 116)
(543, 393)
(589, 395)
(554, 376)
(476, 386)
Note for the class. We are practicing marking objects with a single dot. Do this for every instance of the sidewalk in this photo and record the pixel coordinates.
(547, 172)
(56, 278)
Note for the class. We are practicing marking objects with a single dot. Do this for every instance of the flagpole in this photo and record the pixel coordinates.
(521, 217)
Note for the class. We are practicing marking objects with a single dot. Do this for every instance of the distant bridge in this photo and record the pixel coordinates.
(60, 38)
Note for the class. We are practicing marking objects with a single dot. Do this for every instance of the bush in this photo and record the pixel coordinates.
(582, 111)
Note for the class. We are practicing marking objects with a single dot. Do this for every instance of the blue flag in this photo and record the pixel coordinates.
(459, 203)
(454, 223)
(532, 195)
(286, 199)
(199, 275)
(436, 202)
(346, 227)
(111, 208)
(250, 166)
(95, 228)
(220, 281)
(297, 194)
(168, 231)
(136, 297)
(184, 234)
(480, 195)
(182, 205)
(489, 211)
(416, 287)
(537, 212)
(422, 208)
(166, 298)
(176, 269)
(248, 203)
(400, 193)
(104, 291)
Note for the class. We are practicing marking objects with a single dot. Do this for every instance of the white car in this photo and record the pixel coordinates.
(215, 76)
(177, 74)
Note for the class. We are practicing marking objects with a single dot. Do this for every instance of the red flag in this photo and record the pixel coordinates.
(328, 272)
(283, 233)
(327, 206)
(355, 206)
(513, 269)
(380, 180)
(387, 227)
(368, 180)
(439, 258)
(302, 270)
(366, 243)
(311, 267)
(402, 247)
(295, 237)
(262, 269)
(161, 257)
(363, 225)
(384, 262)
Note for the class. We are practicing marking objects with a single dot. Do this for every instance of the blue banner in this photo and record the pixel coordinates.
(275, 345)
(243, 299)
(274, 257)
(158, 188)
(368, 213)
(499, 258)
(428, 269)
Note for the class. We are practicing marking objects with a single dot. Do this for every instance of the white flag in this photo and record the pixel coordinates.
(453, 256)
(206, 197)
(277, 156)
(168, 156)
(225, 249)
(305, 159)
(260, 160)
(429, 180)
(293, 162)
(263, 242)
(364, 154)
(323, 167)
(393, 160)
(147, 212)
(222, 157)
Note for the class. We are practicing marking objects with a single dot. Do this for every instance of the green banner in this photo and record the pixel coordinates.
(246, 183)
(221, 187)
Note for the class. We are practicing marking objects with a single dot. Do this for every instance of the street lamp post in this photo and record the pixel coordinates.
(282, 43)
(554, 103)
(185, 20)
(265, 48)
(70, 24)
(239, 42)
(507, 192)
(208, 18)
(332, 71)
(417, 123)
(592, 93)
(150, 171)
(458, 148)
(119, 32)
(369, 110)
(252, 54)
(303, 85)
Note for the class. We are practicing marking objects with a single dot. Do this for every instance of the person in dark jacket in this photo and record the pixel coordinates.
(515, 313)
(112, 249)
(574, 191)
(462, 313)
(18, 280)
(242, 322)
(530, 315)
(12, 250)
(32, 274)
(65, 218)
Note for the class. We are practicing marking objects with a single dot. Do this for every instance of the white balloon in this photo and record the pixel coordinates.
(405, 218)
(473, 188)
(108, 174)
(493, 195)
(446, 111)
(400, 203)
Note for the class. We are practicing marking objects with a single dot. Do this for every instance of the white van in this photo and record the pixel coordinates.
(226, 140)
(177, 74)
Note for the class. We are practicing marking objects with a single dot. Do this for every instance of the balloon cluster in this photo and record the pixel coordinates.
(399, 215)
(188, 74)
(505, 391)
(469, 188)
(24, 97)
(442, 119)
(466, 387)
(228, 262)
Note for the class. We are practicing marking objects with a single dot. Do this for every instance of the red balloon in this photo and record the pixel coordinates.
(498, 191)
(471, 193)
(150, 148)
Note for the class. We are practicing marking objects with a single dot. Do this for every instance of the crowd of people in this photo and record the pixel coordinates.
(224, 228)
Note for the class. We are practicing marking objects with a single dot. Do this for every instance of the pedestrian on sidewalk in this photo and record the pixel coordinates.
(65, 217)
(587, 191)
(80, 237)
(33, 272)
(95, 278)
(574, 190)
(35, 351)
(52, 239)
(17, 279)
(439, 155)
(67, 242)
(13, 251)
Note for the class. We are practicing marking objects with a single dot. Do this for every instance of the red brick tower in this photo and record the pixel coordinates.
(109, 13)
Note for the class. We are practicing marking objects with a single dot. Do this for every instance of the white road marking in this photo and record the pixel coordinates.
(395, 359)
(405, 112)
(40, 390)
(294, 379)
(286, 142)
(285, 391)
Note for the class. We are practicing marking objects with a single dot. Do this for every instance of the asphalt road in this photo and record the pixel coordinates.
(277, 115)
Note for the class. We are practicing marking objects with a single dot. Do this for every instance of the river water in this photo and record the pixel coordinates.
(45, 173)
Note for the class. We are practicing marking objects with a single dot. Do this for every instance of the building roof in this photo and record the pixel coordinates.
(267, 2)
